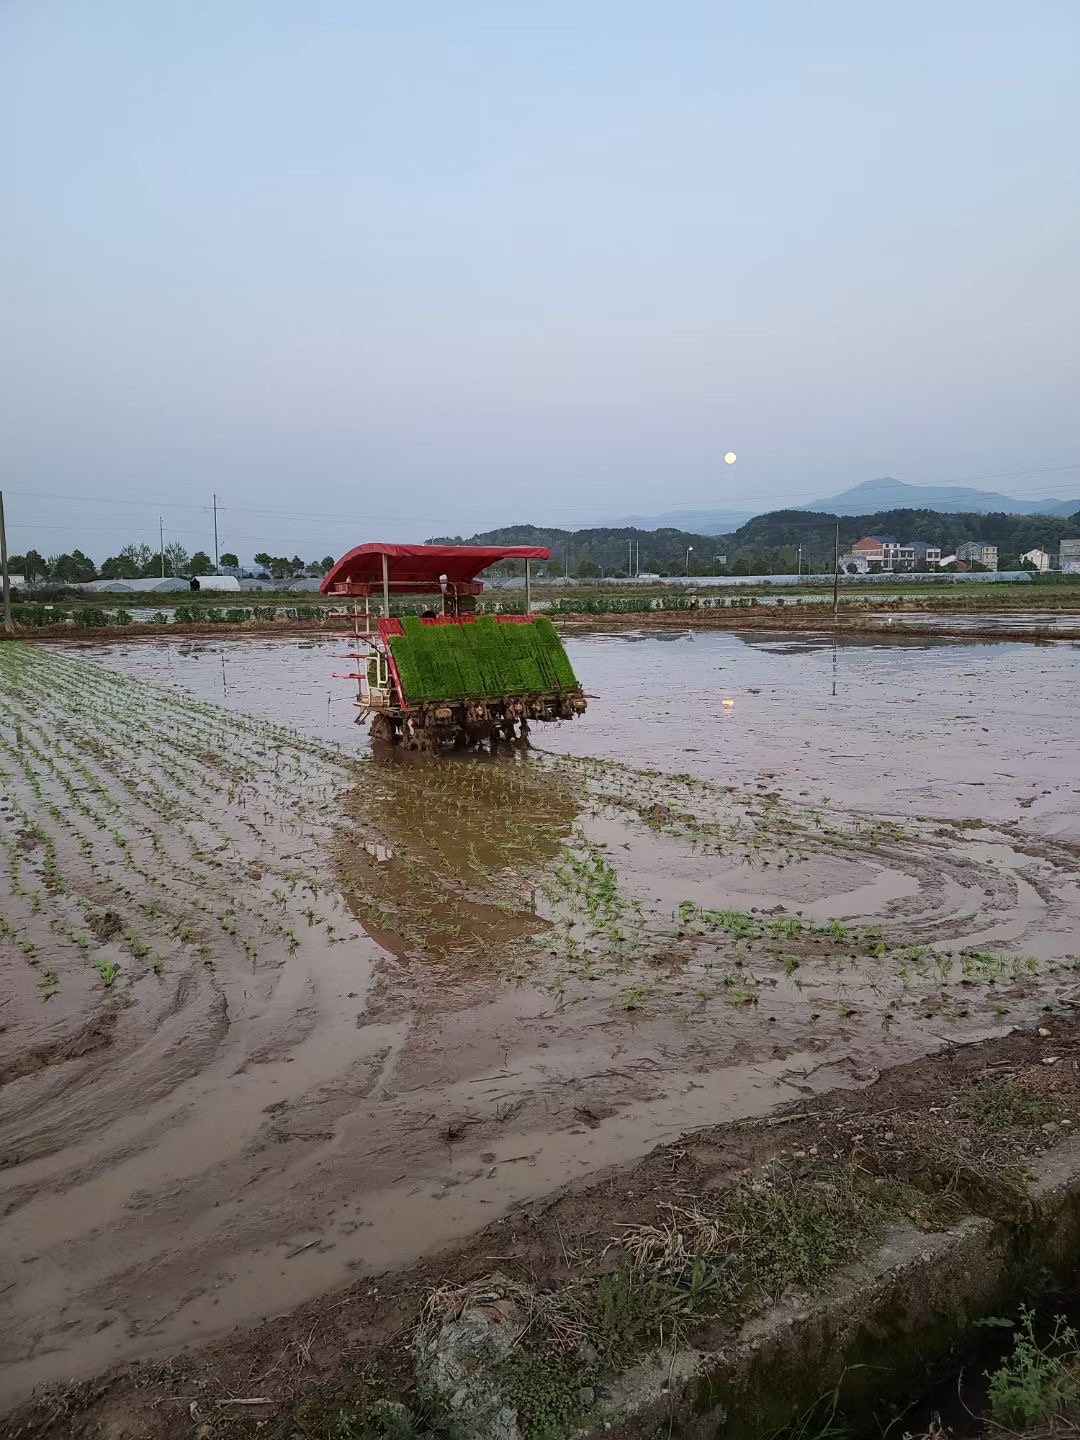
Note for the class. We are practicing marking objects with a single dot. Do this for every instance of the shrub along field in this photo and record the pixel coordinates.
(1055, 593)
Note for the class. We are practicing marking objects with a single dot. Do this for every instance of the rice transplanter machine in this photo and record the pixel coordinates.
(448, 677)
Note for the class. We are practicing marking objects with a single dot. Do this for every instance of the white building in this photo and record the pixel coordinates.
(1037, 559)
(887, 554)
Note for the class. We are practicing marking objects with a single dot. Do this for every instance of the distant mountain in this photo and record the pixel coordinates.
(889, 494)
(701, 522)
(869, 498)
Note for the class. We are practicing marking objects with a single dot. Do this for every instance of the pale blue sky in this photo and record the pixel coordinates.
(416, 266)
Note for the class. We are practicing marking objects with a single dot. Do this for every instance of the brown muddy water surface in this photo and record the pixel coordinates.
(278, 1010)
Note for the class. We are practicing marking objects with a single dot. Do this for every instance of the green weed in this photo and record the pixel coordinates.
(1039, 1381)
(1001, 1104)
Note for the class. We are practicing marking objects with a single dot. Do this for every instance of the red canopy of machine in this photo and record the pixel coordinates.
(417, 569)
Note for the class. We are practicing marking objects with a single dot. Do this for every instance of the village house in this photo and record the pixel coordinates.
(887, 554)
(974, 551)
(1038, 559)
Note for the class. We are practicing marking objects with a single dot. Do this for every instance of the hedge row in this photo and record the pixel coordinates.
(95, 617)
(480, 660)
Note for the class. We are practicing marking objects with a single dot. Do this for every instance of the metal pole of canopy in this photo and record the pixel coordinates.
(386, 587)
(528, 587)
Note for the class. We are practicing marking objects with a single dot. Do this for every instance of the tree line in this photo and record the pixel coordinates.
(770, 543)
(135, 562)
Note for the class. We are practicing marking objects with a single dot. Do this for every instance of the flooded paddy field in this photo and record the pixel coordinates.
(279, 1011)
(1004, 622)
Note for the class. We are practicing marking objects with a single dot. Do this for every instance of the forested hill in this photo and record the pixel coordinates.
(770, 542)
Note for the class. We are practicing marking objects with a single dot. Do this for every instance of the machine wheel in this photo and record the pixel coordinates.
(382, 728)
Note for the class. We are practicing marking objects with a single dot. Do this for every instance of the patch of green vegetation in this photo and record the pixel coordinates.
(1038, 1381)
(785, 925)
(366, 1417)
(762, 1237)
(633, 1308)
(546, 1392)
(1001, 1104)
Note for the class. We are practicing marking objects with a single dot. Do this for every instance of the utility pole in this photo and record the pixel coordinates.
(161, 544)
(217, 563)
(630, 560)
(836, 575)
(9, 627)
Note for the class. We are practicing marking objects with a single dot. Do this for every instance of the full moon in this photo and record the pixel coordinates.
(729, 458)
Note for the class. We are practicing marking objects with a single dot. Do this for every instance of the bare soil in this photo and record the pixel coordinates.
(915, 1123)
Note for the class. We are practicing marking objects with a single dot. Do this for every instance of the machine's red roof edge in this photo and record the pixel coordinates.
(422, 564)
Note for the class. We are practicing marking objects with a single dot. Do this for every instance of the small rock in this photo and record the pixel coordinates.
(1049, 1127)
(587, 1397)
(1051, 1059)
(588, 1354)
(1044, 1032)
(888, 1135)
(1066, 1123)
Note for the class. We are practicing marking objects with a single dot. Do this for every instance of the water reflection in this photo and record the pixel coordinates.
(454, 851)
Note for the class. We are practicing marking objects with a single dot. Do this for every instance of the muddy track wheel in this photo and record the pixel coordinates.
(382, 728)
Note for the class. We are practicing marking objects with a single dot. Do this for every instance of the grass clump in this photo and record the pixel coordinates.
(1038, 1381)
(366, 1418)
(1002, 1104)
(765, 1236)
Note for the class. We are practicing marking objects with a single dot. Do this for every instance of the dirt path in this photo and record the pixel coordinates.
(273, 1017)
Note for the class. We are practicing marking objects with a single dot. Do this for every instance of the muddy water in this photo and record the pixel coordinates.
(914, 725)
(906, 724)
(398, 998)
(1004, 621)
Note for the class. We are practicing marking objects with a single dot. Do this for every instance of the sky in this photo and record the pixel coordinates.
(382, 271)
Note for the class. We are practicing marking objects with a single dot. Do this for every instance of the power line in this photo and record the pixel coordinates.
(270, 512)
(273, 516)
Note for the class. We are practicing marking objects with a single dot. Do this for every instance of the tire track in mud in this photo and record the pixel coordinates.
(571, 961)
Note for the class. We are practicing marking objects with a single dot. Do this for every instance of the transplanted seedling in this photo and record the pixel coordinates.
(108, 970)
